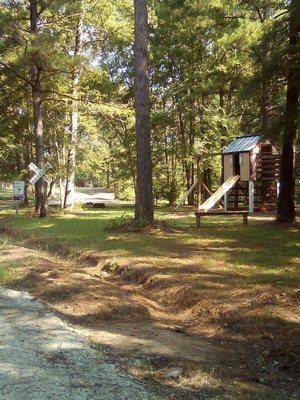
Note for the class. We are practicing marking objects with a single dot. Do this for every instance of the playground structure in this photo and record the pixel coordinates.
(257, 163)
(249, 182)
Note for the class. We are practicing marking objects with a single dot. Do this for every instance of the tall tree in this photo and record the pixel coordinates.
(35, 76)
(71, 161)
(265, 97)
(144, 196)
(286, 203)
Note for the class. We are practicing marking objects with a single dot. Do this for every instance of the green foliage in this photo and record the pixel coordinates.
(212, 64)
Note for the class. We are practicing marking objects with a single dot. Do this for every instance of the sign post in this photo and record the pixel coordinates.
(18, 194)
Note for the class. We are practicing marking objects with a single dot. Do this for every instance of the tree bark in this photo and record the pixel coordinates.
(71, 161)
(191, 169)
(265, 92)
(59, 165)
(26, 157)
(144, 195)
(286, 201)
(35, 72)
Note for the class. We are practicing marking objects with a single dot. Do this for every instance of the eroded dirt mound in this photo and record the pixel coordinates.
(260, 325)
(81, 295)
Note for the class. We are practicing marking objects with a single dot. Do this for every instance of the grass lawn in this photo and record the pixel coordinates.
(260, 253)
(5, 194)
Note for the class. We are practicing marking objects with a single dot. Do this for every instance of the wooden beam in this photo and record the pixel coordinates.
(186, 195)
(199, 183)
(209, 155)
(210, 193)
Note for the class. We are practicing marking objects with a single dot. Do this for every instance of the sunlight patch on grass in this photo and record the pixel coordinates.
(5, 242)
(8, 275)
(243, 252)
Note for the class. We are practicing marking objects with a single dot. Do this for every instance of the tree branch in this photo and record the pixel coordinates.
(15, 72)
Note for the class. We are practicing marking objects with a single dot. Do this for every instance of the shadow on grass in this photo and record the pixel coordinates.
(267, 252)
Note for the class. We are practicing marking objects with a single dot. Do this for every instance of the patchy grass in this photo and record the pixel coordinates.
(258, 254)
(8, 275)
(5, 194)
(8, 270)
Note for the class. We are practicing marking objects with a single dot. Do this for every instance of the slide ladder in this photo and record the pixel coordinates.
(212, 200)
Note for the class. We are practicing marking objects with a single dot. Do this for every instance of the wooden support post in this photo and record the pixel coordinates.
(277, 189)
(245, 219)
(236, 197)
(199, 184)
(198, 221)
(226, 201)
(210, 194)
(251, 197)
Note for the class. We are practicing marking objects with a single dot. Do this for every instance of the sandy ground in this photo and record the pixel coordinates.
(82, 196)
(43, 358)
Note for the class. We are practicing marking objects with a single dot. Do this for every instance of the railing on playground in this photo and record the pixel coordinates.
(268, 166)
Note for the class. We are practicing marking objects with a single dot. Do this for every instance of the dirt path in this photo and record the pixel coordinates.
(42, 358)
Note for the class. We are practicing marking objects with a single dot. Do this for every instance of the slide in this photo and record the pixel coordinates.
(209, 203)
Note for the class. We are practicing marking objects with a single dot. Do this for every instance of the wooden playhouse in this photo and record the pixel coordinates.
(257, 163)
(250, 179)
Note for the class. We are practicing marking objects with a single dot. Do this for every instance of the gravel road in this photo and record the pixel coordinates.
(43, 358)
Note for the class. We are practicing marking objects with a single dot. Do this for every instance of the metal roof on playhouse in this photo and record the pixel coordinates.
(243, 143)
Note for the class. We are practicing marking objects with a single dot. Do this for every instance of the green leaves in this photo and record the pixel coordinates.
(209, 63)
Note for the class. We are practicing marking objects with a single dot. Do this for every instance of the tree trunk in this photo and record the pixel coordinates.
(26, 156)
(265, 104)
(108, 175)
(265, 93)
(183, 150)
(207, 173)
(35, 71)
(191, 197)
(286, 203)
(190, 181)
(71, 161)
(144, 195)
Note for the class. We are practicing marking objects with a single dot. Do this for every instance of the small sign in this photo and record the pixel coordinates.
(19, 191)
(39, 172)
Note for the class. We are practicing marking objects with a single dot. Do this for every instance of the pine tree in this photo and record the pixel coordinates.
(144, 197)
(71, 161)
(35, 76)
(286, 202)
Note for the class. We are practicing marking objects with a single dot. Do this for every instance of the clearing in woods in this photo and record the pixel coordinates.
(221, 302)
